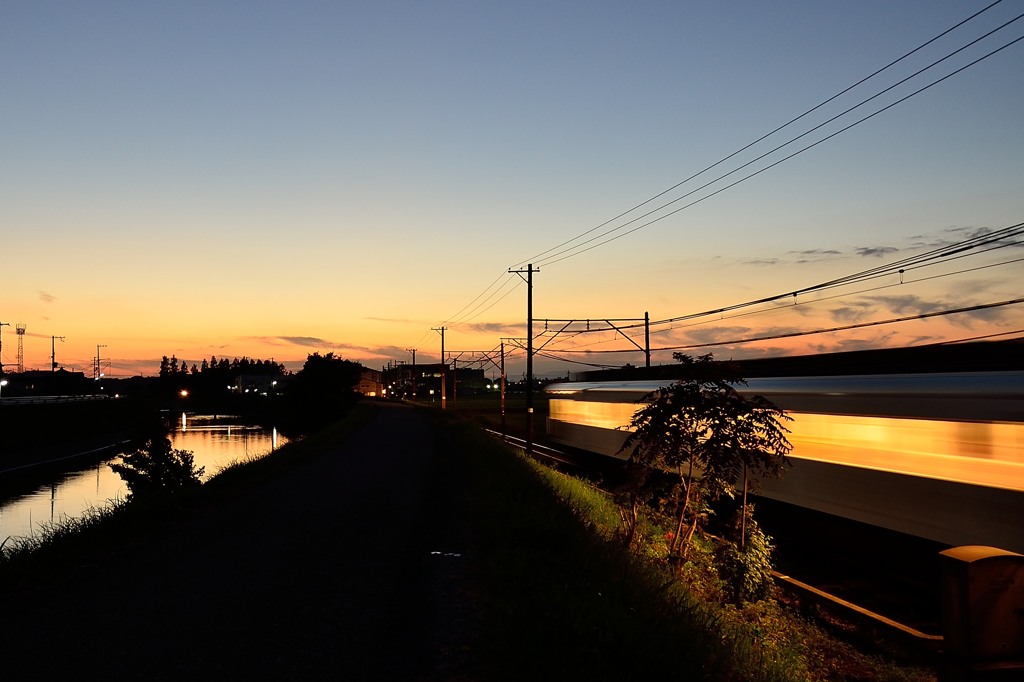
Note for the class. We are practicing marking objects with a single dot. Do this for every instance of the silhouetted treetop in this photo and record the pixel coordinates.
(223, 367)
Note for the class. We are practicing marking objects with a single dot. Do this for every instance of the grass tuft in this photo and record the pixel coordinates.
(61, 532)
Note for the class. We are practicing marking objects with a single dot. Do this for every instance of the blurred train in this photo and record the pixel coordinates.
(937, 455)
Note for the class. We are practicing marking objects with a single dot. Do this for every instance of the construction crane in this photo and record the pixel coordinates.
(2, 325)
(20, 329)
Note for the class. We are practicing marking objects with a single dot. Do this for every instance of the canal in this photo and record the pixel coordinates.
(89, 482)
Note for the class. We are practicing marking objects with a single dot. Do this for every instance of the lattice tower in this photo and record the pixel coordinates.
(20, 330)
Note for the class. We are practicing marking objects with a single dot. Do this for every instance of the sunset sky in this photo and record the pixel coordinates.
(270, 179)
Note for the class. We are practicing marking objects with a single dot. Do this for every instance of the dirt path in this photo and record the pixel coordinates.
(324, 573)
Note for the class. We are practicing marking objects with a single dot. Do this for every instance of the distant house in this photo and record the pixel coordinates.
(423, 381)
(42, 383)
(370, 383)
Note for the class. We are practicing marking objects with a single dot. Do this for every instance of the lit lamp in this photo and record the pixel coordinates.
(3, 382)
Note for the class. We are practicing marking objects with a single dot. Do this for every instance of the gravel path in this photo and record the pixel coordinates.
(342, 569)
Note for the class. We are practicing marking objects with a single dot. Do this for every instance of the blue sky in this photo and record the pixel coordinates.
(270, 179)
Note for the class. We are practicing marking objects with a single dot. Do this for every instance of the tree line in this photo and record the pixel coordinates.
(172, 367)
(320, 392)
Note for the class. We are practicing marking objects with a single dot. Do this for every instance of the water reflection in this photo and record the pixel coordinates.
(215, 442)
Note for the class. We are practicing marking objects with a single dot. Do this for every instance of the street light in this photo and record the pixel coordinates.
(3, 382)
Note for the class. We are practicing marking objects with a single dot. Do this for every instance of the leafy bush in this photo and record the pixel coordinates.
(745, 566)
(710, 435)
(157, 467)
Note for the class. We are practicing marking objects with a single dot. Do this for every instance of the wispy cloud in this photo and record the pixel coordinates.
(713, 334)
(853, 312)
(950, 235)
(908, 304)
(307, 341)
(852, 344)
(505, 328)
(875, 251)
(46, 298)
(815, 255)
(286, 341)
(395, 320)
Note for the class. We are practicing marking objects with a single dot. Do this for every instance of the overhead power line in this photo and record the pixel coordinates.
(573, 252)
(977, 245)
(775, 337)
(541, 257)
(860, 325)
(845, 295)
(477, 306)
(937, 255)
(996, 239)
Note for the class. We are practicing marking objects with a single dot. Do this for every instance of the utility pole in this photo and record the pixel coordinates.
(413, 372)
(53, 352)
(503, 429)
(529, 352)
(99, 367)
(647, 339)
(440, 330)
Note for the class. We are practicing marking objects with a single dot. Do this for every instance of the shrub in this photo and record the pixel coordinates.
(745, 566)
(157, 467)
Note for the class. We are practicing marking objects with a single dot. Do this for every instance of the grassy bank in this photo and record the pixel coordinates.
(563, 596)
(527, 565)
(560, 599)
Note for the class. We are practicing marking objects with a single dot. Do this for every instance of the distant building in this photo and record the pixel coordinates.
(420, 382)
(264, 384)
(43, 383)
(371, 384)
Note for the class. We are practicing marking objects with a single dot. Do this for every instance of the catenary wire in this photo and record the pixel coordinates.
(454, 318)
(859, 325)
(939, 255)
(585, 347)
(810, 332)
(571, 250)
(765, 136)
(571, 253)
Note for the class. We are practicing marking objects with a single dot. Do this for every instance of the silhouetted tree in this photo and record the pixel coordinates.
(322, 391)
(709, 435)
(157, 467)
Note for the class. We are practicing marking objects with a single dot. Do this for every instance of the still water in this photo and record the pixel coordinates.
(214, 441)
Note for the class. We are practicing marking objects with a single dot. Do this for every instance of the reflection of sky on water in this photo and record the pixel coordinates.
(69, 495)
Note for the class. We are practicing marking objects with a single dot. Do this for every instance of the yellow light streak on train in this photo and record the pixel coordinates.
(989, 454)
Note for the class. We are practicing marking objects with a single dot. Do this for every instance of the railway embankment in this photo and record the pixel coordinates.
(400, 545)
